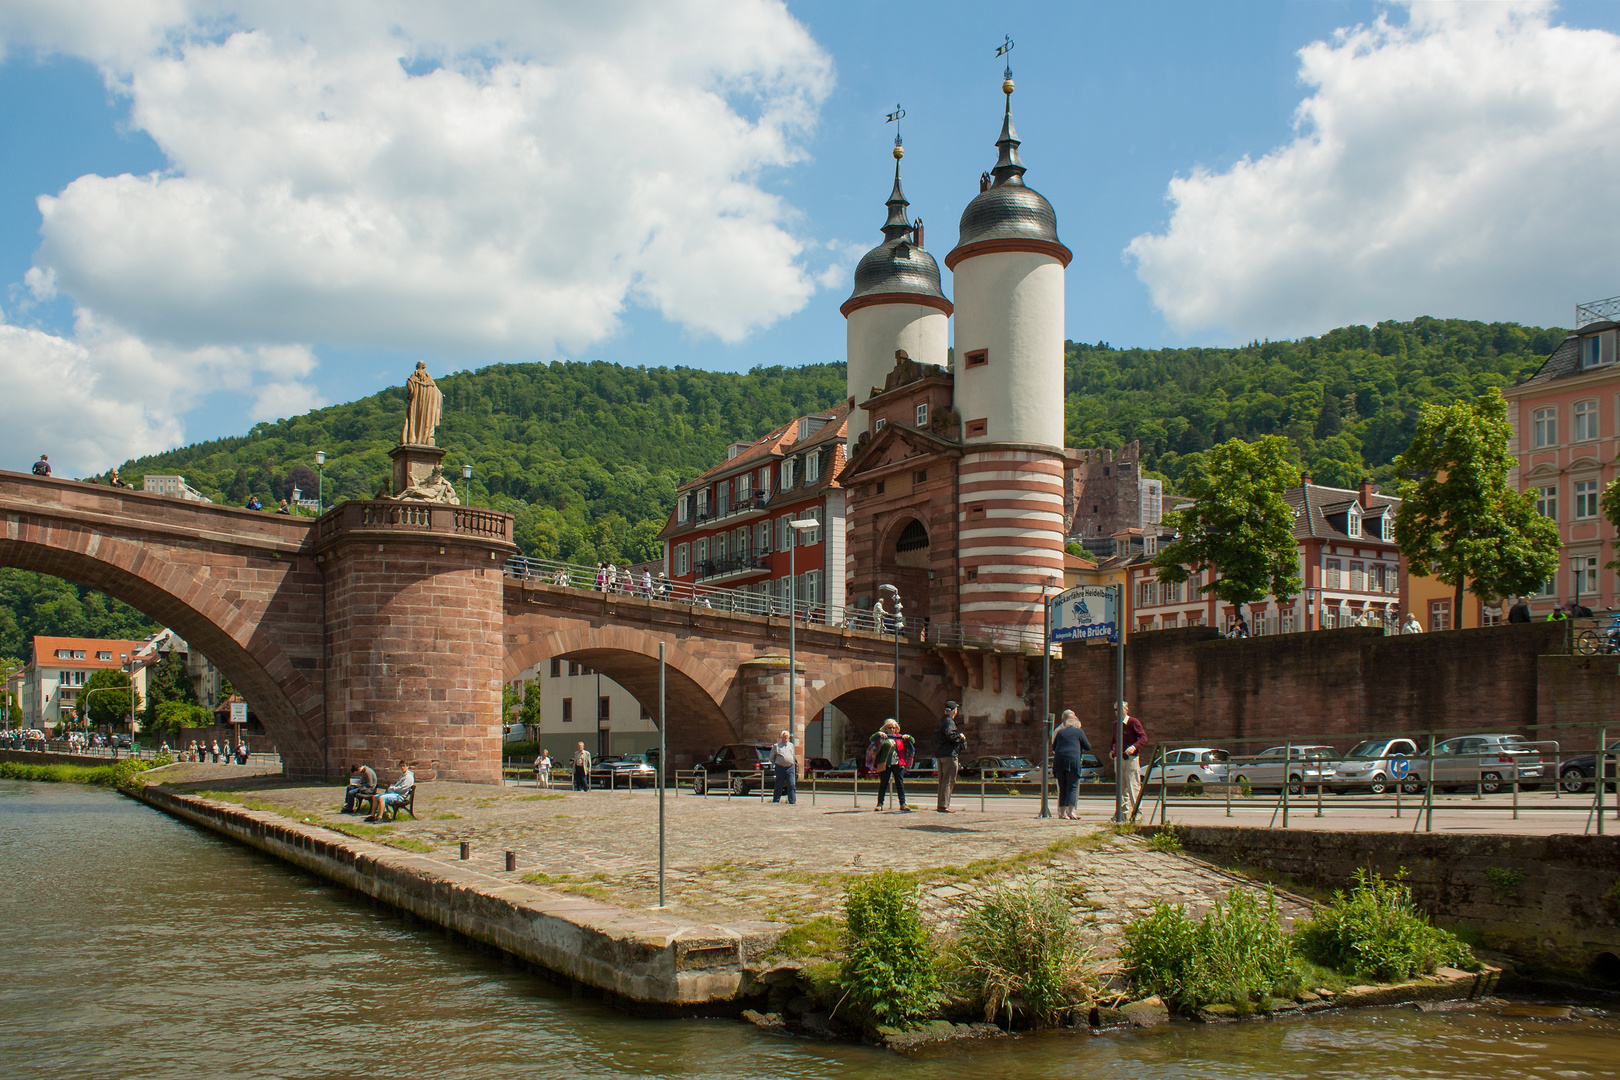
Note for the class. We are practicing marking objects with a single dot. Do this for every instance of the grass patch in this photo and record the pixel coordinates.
(820, 936)
(1022, 942)
(547, 879)
(446, 817)
(115, 775)
(377, 834)
(1237, 954)
(1165, 840)
(538, 798)
(1375, 930)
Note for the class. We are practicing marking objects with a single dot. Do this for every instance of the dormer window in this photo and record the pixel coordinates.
(682, 510)
(812, 468)
(1591, 351)
(922, 415)
(1386, 527)
(1352, 522)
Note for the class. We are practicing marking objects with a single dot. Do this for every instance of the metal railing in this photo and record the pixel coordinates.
(1597, 311)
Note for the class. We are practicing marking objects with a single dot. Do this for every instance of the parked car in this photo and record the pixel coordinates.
(1576, 773)
(1377, 765)
(848, 769)
(752, 759)
(924, 768)
(1305, 767)
(1489, 762)
(1091, 769)
(818, 766)
(1000, 768)
(1190, 767)
(630, 770)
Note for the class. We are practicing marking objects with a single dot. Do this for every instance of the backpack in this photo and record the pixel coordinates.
(41, 469)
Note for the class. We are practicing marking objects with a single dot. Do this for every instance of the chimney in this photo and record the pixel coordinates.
(1304, 478)
(1366, 490)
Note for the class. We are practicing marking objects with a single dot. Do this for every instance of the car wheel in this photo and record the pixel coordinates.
(700, 783)
(1242, 782)
(739, 786)
(1194, 786)
(1413, 787)
(1378, 784)
(1573, 779)
(1490, 783)
(1296, 786)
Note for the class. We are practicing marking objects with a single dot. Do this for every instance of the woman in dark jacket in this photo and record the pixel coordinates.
(1069, 742)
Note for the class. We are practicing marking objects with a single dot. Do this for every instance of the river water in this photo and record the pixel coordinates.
(132, 945)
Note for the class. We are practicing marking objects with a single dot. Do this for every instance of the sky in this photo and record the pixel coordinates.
(219, 212)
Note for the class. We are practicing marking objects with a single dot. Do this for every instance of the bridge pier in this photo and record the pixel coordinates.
(414, 637)
(765, 688)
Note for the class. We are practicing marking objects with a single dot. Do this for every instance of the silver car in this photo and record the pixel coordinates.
(1378, 765)
(1489, 762)
(1306, 766)
(1190, 767)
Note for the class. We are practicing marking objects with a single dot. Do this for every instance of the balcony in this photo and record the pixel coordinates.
(735, 566)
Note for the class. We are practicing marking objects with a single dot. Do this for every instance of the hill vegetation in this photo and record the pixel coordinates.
(587, 456)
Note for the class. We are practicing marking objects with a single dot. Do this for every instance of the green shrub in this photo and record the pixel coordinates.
(1237, 954)
(1023, 942)
(888, 968)
(101, 775)
(1377, 932)
(1165, 839)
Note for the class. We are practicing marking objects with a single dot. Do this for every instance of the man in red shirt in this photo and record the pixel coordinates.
(1135, 742)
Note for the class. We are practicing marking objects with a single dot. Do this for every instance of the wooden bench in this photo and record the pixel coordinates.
(390, 811)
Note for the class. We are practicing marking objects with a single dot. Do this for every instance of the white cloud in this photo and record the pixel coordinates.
(486, 180)
(1453, 165)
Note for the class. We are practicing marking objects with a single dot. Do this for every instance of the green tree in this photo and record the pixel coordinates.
(1611, 510)
(110, 708)
(1239, 524)
(1459, 521)
(176, 716)
(509, 702)
(168, 681)
(530, 713)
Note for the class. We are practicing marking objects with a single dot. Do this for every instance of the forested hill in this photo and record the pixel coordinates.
(1348, 399)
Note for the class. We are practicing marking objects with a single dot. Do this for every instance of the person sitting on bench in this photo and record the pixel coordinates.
(396, 794)
(362, 782)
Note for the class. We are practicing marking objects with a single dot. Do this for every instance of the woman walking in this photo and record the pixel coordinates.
(1069, 742)
(893, 754)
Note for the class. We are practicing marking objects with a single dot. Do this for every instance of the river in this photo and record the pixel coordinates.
(136, 946)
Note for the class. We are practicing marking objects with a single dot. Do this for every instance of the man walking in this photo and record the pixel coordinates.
(1131, 771)
(787, 769)
(948, 743)
(1519, 612)
(582, 768)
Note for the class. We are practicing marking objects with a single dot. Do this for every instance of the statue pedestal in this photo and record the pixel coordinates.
(413, 463)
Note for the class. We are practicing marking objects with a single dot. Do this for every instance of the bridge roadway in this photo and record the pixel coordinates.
(385, 629)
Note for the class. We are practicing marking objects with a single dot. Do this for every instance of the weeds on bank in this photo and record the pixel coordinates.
(1022, 942)
(1375, 930)
(115, 775)
(539, 798)
(887, 974)
(1236, 954)
(1504, 881)
(820, 936)
(1165, 840)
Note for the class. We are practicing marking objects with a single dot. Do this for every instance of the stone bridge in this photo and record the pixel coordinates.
(384, 630)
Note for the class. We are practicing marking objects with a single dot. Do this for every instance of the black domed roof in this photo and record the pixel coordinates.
(1008, 209)
(898, 264)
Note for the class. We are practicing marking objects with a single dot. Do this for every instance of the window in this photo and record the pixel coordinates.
(812, 467)
(811, 536)
(682, 511)
(604, 711)
(573, 668)
(1591, 351)
(1358, 577)
(1585, 425)
(703, 503)
(978, 429)
(880, 487)
(717, 547)
(103, 656)
(920, 476)
(1386, 527)
(782, 531)
(556, 667)
(1375, 578)
(1331, 576)
(922, 415)
(568, 710)
(1549, 587)
(700, 554)
(1439, 615)
(1352, 522)
(1586, 498)
(1170, 592)
(1586, 574)
(978, 358)
(1544, 428)
(1547, 502)
(745, 486)
(683, 560)
(1144, 593)
(762, 538)
(976, 512)
(787, 475)
(765, 479)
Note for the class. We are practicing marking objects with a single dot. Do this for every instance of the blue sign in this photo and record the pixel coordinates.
(1399, 766)
(1084, 613)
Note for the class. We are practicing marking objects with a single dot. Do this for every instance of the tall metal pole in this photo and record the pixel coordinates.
(663, 757)
(793, 622)
(1119, 702)
(897, 665)
(1046, 704)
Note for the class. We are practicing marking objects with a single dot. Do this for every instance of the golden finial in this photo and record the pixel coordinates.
(1006, 86)
(899, 151)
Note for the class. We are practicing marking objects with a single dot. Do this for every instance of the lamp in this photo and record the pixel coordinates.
(1575, 573)
(899, 624)
(797, 527)
(320, 482)
(466, 474)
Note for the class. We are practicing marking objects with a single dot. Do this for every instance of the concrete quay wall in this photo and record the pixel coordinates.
(637, 961)
(1552, 903)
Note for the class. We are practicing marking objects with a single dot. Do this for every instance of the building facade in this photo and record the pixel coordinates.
(1565, 442)
(729, 528)
(53, 681)
(1352, 570)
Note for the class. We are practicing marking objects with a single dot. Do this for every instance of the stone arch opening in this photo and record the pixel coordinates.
(905, 565)
(866, 698)
(697, 698)
(244, 647)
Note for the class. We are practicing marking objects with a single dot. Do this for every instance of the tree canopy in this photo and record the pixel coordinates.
(110, 707)
(1459, 521)
(1240, 524)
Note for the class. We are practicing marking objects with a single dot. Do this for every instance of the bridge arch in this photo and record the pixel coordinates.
(866, 696)
(213, 615)
(703, 704)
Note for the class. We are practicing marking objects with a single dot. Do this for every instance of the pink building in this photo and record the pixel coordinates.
(1565, 439)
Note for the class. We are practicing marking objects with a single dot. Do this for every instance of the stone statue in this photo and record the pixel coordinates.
(434, 488)
(424, 408)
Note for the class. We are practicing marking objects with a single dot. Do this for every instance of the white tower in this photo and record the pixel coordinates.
(1008, 286)
(897, 305)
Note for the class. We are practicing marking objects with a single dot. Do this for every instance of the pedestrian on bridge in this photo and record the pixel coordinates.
(42, 467)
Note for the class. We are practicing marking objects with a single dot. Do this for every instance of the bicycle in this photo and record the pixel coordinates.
(1592, 642)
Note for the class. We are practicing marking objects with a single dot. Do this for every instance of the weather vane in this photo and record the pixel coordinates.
(1005, 48)
(895, 118)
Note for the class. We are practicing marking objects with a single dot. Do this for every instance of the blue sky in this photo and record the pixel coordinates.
(188, 317)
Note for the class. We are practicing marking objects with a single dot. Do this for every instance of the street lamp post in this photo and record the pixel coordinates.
(796, 526)
(320, 482)
(1575, 573)
(899, 624)
(466, 474)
